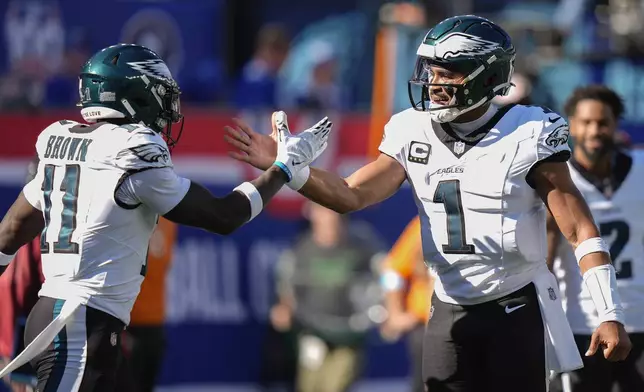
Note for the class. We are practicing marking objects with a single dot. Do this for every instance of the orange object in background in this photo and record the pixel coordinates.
(405, 259)
(149, 308)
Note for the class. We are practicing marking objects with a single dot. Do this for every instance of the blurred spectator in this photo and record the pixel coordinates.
(322, 96)
(144, 339)
(35, 35)
(570, 13)
(19, 286)
(323, 92)
(255, 88)
(35, 39)
(325, 289)
(62, 87)
(408, 289)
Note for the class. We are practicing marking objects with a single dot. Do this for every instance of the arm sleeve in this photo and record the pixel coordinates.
(159, 189)
(553, 140)
(392, 143)
(551, 143)
(143, 149)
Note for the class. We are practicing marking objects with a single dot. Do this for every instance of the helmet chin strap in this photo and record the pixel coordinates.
(450, 114)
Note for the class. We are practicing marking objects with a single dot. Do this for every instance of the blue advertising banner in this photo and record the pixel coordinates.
(43, 35)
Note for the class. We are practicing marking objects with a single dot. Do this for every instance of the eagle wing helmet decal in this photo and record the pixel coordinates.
(461, 44)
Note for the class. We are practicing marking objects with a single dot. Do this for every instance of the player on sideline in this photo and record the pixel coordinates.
(481, 175)
(96, 198)
(610, 181)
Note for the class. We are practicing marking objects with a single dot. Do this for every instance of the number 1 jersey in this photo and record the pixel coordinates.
(94, 246)
(482, 223)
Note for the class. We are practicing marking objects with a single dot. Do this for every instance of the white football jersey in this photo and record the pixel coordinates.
(620, 219)
(482, 224)
(93, 247)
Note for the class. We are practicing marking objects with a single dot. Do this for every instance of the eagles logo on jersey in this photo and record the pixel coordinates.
(151, 152)
(559, 136)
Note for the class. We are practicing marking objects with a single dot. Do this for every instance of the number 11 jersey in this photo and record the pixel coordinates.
(94, 244)
(482, 223)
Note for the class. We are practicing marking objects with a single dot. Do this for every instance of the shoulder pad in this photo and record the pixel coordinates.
(141, 149)
(397, 131)
(552, 135)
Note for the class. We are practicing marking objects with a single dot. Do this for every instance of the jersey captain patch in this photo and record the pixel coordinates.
(419, 152)
(559, 136)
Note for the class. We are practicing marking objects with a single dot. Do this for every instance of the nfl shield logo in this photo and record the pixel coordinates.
(113, 339)
(459, 148)
(551, 293)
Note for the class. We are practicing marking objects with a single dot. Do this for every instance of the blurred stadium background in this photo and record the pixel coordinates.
(349, 59)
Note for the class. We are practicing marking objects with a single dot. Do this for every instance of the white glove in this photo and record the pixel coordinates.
(295, 153)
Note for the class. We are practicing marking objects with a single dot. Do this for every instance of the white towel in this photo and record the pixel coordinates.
(42, 341)
(562, 354)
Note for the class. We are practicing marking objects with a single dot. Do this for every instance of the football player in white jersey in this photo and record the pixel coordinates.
(481, 175)
(96, 199)
(610, 180)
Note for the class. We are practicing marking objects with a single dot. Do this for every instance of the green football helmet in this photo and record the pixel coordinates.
(132, 83)
(469, 45)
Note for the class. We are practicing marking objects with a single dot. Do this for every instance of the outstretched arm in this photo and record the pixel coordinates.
(191, 204)
(199, 208)
(369, 185)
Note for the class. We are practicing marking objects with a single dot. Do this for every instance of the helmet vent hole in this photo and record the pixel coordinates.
(115, 59)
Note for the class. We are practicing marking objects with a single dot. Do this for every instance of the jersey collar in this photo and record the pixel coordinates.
(460, 144)
(621, 165)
